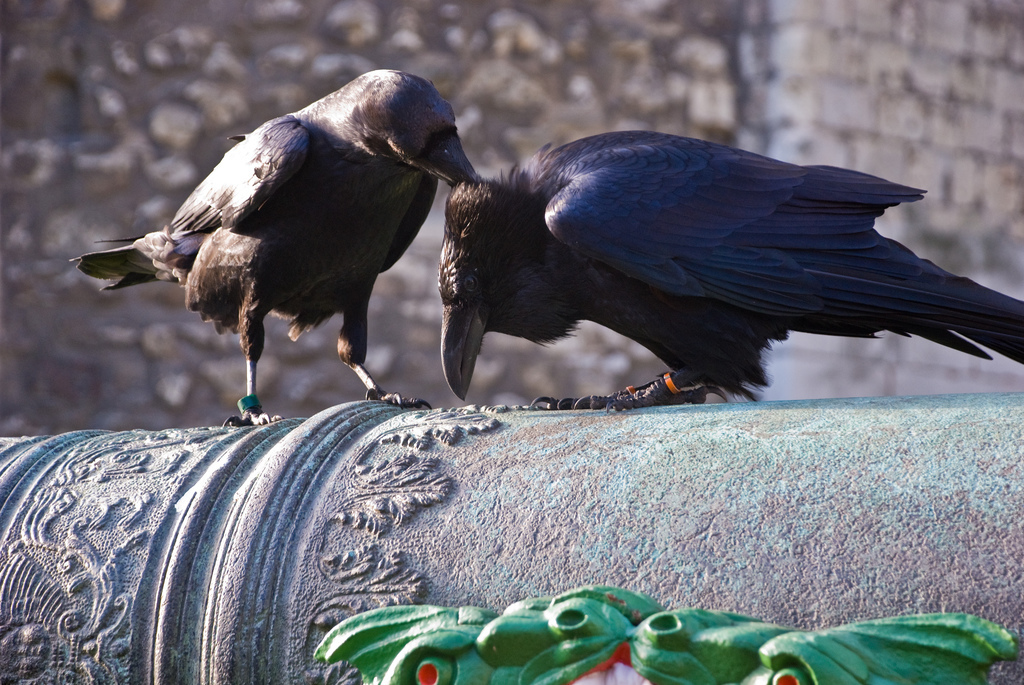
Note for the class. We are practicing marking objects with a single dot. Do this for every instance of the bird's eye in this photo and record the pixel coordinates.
(470, 283)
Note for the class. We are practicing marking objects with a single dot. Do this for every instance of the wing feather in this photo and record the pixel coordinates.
(695, 218)
(245, 178)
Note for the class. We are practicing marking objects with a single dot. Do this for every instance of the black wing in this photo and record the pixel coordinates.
(414, 217)
(245, 178)
(695, 218)
(691, 217)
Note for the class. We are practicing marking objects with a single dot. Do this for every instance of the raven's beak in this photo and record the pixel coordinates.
(448, 162)
(462, 332)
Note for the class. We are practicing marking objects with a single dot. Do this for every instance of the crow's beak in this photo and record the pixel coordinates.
(462, 331)
(448, 162)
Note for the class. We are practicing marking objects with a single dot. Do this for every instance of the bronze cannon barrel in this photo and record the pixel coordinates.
(220, 555)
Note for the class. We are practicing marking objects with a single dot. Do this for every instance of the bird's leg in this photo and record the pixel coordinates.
(249, 406)
(375, 392)
(352, 351)
(670, 388)
(251, 338)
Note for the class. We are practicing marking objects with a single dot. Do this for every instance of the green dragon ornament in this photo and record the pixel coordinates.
(597, 635)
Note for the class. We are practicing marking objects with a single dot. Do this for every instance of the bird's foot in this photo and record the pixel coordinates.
(659, 392)
(396, 399)
(375, 392)
(252, 414)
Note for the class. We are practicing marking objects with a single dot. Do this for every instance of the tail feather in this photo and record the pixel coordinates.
(1008, 347)
(936, 305)
(115, 264)
(152, 257)
(131, 279)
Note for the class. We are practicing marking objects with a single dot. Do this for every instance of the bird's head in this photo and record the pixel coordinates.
(402, 116)
(496, 274)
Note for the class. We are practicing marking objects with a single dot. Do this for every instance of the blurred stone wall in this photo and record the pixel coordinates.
(929, 93)
(113, 111)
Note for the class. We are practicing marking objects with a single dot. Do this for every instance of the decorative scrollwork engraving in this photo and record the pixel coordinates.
(69, 571)
(392, 475)
(390, 491)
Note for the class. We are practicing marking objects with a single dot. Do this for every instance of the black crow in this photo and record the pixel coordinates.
(702, 253)
(300, 217)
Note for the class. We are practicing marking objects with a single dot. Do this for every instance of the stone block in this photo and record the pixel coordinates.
(945, 25)
(222, 62)
(971, 80)
(794, 101)
(1015, 129)
(901, 116)
(751, 54)
(642, 92)
(354, 22)
(846, 55)
(499, 83)
(278, 12)
(798, 49)
(107, 170)
(1016, 50)
(793, 144)
(968, 180)
(107, 10)
(516, 32)
(887, 66)
(1003, 188)
(713, 104)
(837, 14)
(340, 66)
(282, 59)
(872, 17)
(969, 126)
(981, 128)
(175, 125)
(928, 73)
(885, 157)
(1008, 90)
(174, 172)
(702, 55)
(784, 12)
(222, 106)
(989, 37)
(827, 147)
(927, 167)
(847, 105)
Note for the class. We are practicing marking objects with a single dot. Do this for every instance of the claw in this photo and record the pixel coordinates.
(661, 391)
(405, 402)
(253, 416)
(375, 392)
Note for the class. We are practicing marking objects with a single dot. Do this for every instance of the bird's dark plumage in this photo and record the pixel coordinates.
(703, 253)
(300, 217)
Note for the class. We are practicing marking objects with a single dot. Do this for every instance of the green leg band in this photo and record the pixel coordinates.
(248, 402)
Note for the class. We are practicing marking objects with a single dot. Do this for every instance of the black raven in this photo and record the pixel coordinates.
(703, 253)
(300, 217)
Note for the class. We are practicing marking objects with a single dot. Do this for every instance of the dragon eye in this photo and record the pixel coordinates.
(427, 675)
(791, 676)
(434, 671)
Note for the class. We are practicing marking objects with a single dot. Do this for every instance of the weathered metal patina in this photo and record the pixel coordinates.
(223, 556)
(599, 635)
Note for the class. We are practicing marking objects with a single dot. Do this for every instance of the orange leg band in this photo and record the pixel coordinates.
(670, 385)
